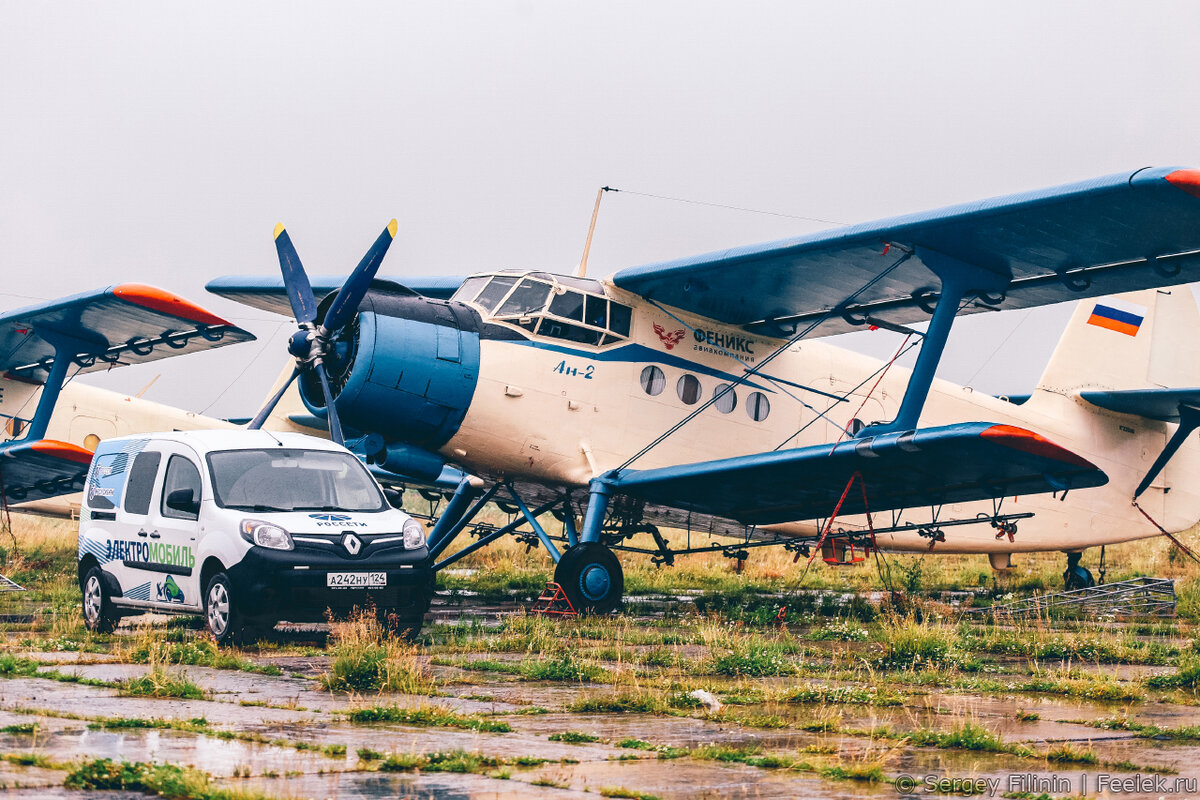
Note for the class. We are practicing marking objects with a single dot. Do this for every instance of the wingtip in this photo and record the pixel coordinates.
(1186, 179)
(278, 229)
(391, 227)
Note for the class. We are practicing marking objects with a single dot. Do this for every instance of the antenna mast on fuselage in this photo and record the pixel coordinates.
(581, 272)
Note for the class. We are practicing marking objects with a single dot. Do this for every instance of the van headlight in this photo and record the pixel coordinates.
(414, 535)
(266, 534)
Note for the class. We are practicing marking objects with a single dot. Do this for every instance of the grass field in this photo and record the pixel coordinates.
(846, 690)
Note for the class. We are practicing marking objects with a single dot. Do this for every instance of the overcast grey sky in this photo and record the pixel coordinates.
(161, 142)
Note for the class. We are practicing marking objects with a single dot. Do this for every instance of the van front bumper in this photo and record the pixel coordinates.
(283, 584)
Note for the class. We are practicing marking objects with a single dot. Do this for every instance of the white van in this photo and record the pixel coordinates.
(247, 528)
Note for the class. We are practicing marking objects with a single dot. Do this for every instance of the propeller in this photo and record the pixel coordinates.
(311, 342)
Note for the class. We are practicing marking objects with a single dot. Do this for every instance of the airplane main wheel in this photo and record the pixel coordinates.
(590, 575)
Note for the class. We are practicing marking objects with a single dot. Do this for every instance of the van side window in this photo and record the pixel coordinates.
(181, 474)
(141, 482)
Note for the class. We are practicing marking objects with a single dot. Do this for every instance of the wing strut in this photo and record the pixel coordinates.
(65, 350)
(958, 279)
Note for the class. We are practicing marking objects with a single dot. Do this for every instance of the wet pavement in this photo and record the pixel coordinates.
(285, 736)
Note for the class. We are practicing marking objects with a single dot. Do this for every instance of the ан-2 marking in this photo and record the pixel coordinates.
(578, 372)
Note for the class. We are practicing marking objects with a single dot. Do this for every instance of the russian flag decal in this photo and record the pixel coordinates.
(1118, 315)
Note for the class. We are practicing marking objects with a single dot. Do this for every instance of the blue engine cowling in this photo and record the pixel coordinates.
(405, 368)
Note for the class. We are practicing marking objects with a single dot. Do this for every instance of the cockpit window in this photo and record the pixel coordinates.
(572, 333)
(618, 318)
(559, 307)
(528, 297)
(596, 311)
(490, 297)
(469, 289)
(568, 305)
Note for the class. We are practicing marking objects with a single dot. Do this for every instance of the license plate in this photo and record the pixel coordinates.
(355, 580)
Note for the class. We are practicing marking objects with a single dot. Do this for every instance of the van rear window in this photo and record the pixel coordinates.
(141, 483)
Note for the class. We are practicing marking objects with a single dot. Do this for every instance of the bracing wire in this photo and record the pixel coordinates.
(749, 373)
(722, 205)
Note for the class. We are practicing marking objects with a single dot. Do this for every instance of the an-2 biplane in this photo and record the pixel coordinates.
(694, 393)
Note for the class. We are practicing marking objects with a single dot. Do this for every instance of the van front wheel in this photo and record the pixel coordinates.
(98, 613)
(225, 620)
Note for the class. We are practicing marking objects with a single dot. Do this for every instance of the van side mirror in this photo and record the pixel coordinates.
(394, 497)
(183, 500)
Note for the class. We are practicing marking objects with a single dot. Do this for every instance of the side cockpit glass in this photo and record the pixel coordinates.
(596, 311)
(529, 297)
(496, 289)
(469, 290)
(618, 318)
(568, 305)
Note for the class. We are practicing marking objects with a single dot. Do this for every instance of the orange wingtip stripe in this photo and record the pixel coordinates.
(164, 302)
(65, 450)
(1186, 179)
(1113, 325)
(1034, 443)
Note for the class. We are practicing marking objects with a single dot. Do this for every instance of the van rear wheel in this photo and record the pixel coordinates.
(226, 622)
(98, 613)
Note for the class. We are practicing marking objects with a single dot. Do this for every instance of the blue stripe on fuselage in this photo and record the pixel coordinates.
(638, 353)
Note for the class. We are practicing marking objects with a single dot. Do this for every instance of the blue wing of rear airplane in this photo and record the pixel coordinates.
(124, 324)
(952, 464)
(269, 294)
(1105, 236)
(42, 469)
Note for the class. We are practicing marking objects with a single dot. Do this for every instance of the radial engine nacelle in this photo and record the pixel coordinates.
(406, 368)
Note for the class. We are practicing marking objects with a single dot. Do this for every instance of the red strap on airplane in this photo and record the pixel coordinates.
(857, 476)
(1183, 547)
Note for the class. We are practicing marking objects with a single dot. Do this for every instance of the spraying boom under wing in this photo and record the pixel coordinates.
(1105, 236)
(930, 467)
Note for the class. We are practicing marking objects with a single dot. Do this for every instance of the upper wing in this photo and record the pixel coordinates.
(952, 464)
(268, 293)
(125, 324)
(1105, 236)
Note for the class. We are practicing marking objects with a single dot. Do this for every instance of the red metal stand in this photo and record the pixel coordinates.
(554, 600)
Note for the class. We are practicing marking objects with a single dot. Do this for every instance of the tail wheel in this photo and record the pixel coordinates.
(591, 576)
(98, 613)
(1078, 577)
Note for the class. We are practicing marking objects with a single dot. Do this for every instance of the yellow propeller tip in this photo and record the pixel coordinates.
(392, 228)
(278, 229)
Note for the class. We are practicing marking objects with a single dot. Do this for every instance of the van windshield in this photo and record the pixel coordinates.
(280, 479)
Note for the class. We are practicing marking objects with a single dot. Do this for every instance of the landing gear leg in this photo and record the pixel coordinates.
(1075, 576)
(589, 572)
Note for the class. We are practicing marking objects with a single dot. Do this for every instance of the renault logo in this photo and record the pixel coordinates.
(352, 544)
